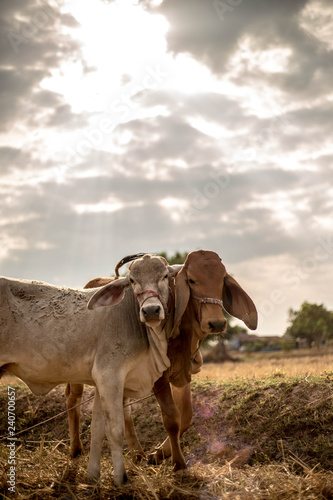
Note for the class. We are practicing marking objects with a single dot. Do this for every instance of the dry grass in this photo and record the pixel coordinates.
(293, 363)
(264, 434)
(50, 476)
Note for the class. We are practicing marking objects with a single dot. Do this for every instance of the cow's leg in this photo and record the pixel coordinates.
(97, 438)
(172, 424)
(182, 398)
(131, 437)
(74, 397)
(111, 408)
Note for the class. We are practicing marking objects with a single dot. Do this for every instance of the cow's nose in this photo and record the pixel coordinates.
(151, 312)
(217, 326)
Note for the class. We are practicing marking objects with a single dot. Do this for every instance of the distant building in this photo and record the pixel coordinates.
(242, 339)
(245, 341)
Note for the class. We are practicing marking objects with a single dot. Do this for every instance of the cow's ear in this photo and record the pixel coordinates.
(110, 294)
(182, 295)
(174, 270)
(237, 302)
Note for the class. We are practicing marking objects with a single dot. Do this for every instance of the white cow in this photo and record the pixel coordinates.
(48, 336)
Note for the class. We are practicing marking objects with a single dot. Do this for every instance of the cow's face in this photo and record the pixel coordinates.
(205, 279)
(149, 278)
(204, 286)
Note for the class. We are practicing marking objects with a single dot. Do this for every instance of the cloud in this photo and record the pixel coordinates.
(246, 209)
(33, 42)
(197, 28)
(217, 108)
(228, 37)
(11, 157)
(131, 207)
(239, 162)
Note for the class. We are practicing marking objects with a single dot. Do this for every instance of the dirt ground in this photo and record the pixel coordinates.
(268, 437)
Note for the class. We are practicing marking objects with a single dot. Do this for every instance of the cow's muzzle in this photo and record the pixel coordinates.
(218, 325)
(151, 313)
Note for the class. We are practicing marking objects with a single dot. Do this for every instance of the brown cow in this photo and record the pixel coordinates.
(201, 288)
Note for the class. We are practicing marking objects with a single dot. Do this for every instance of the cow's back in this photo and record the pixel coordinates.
(49, 336)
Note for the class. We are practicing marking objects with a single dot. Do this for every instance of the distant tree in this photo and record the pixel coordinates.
(177, 258)
(232, 329)
(312, 322)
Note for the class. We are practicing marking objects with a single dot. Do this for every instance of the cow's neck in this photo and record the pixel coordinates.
(191, 324)
(158, 349)
(197, 336)
(148, 366)
(196, 356)
(190, 330)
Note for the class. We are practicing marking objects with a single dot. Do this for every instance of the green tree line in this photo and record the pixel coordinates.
(312, 322)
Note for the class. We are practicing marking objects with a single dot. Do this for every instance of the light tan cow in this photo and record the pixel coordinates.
(49, 336)
(201, 288)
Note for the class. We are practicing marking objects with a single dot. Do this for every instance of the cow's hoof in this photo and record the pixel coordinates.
(181, 476)
(139, 458)
(93, 477)
(156, 458)
(179, 466)
(92, 489)
(121, 481)
(76, 453)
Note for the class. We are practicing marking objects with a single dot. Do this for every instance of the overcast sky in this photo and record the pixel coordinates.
(163, 126)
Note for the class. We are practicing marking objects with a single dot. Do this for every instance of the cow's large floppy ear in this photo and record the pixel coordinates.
(110, 294)
(237, 303)
(182, 295)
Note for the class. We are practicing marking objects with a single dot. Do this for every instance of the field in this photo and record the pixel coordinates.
(262, 429)
(292, 363)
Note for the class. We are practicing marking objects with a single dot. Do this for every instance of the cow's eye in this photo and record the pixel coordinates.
(131, 280)
(191, 281)
(165, 277)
